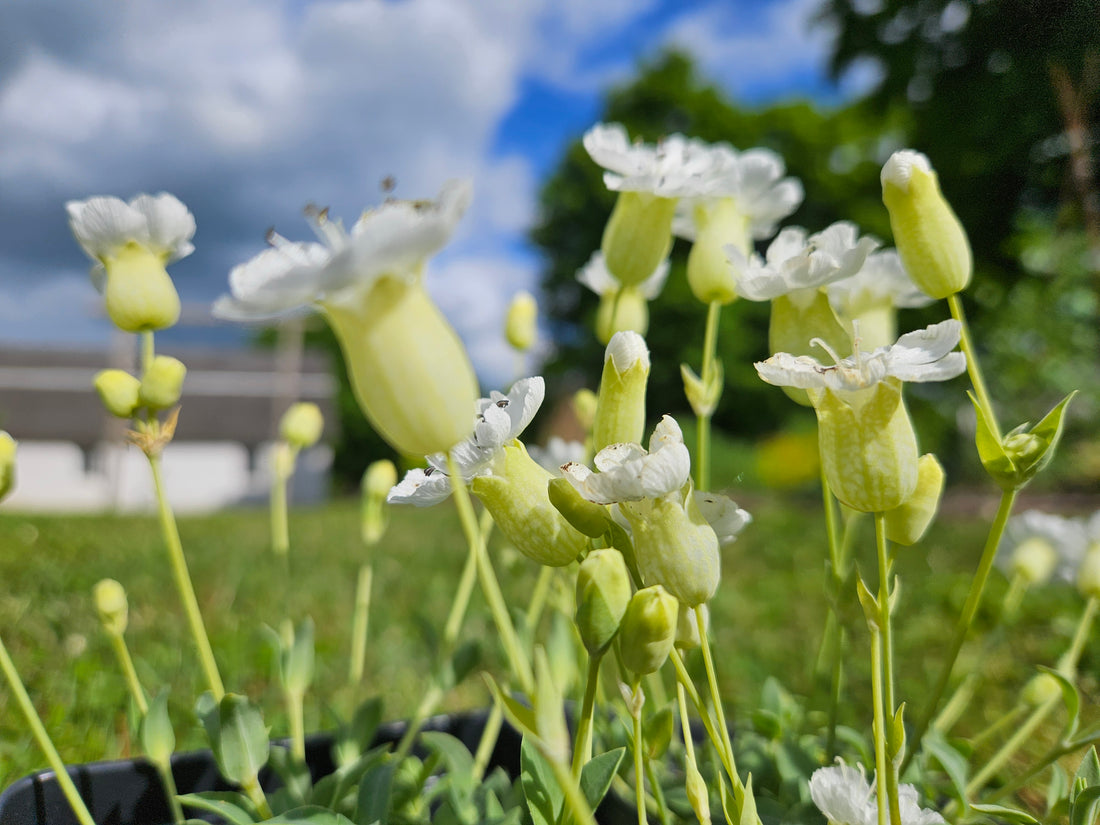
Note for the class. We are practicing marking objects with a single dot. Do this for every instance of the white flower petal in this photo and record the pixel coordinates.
(614, 456)
(673, 168)
(274, 282)
(169, 223)
(723, 515)
(596, 276)
(103, 224)
(882, 280)
(420, 488)
(843, 795)
(665, 470)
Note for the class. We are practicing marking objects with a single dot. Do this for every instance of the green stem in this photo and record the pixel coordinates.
(582, 739)
(427, 704)
(521, 668)
(128, 671)
(972, 366)
(684, 680)
(716, 698)
(255, 793)
(359, 623)
(296, 714)
(282, 462)
(579, 808)
(488, 740)
(834, 629)
(1009, 720)
(702, 435)
(538, 597)
(169, 782)
(148, 350)
(1067, 665)
(639, 755)
(879, 726)
(183, 583)
(43, 738)
(685, 725)
(970, 608)
(887, 669)
(658, 794)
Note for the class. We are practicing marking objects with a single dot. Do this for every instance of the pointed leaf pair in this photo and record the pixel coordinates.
(1014, 461)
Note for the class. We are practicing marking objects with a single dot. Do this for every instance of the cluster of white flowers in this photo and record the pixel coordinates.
(843, 794)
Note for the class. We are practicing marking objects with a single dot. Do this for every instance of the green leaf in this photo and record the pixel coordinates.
(1072, 700)
(540, 788)
(657, 733)
(157, 737)
(521, 717)
(310, 815)
(354, 739)
(1049, 433)
(1000, 812)
(767, 724)
(748, 815)
(465, 660)
(1088, 774)
(1057, 788)
(954, 764)
(459, 762)
(597, 775)
(375, 789)
(897, 735)
(331, 789)
(1024, 451)
(238, 738)
(297, 660)
(869, 604)
(235, 808)
(991, 451)
(1083, 809)
(549, 717)
(297, 782)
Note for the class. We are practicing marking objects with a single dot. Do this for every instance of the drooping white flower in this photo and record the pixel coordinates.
(923, 355)
(1040, 546)
(675, 167)
(723, 515)
(499, 419)
(557, 452)
(843, 794)
(595, 275)
(795, 262)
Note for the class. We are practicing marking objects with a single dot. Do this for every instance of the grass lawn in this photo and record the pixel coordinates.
(767, 618)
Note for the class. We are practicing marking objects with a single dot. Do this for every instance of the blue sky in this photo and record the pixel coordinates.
(249, 109)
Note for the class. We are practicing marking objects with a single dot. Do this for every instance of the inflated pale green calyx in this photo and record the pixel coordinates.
(603, 592)
(119, 391)
(718, 224)
(929, 237)
(1088, 574)
(520, 326)
(408, 368)
(621, 309)
(1035, 560)
(907, 523)
(111, 605)
(868, 447)
(162, 383)
(591, 519)
(638, 236)
(516, 496)
(7, 463)
(378, 480)
(675, 547)
(648, 630)
(139, 294)
(302, 424)
(620, 412)
(798, 318)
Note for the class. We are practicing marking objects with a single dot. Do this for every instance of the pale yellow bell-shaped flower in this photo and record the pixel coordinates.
(119, 391)
(111, 605)
(930, 239)
(408, 368)
(520, 325)
(718, 224)
(302, 424)
(906, 523)
(7, 463)
(131, 244)
(162, 383)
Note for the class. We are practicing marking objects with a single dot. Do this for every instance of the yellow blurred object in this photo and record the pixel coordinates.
(788, 460)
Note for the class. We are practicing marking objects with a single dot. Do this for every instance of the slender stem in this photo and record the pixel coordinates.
(582, 740)
(685, 724)
(488, 740)
(1059, 750)
(886, 665)
(427, 704)
(835, 689)
(43, 738)
(538, 597)
(834, 629)
(255, 793)
(128, 671)
(296, 713)
(282, 464)
(183, 583)
(359, 623)
(954, 707)
(148, 349)
(972, 366)
(1009, 720)
(658, 794)
(715, 696)
(169, 781)
(1067, 665)
(639, 755)
(702, 436)
(879, 726)
(579, 808)
(684, 680)
(973, 599)
(521, 668)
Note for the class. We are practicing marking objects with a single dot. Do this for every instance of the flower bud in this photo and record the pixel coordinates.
(162, 382)
(139, 293)
(301, 425)
(718, 225)
(648, 630)
(675, 547)
(638, 236)
(907, 523)
(868, 447)
(620, 414)
(1040, 689)
(930, 240)
(520, 326)
(697, 794)
(603, 592)
(591, 519)
(621, 310)
(1088, 574)
(377, 482)
(111, 605)
(584, 405)
(798, 318)
(7, 463)
(119, 391)
(1034, 559)
(407, 366)
(516, 496)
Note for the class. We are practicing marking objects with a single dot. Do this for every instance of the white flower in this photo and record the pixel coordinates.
(676, 167)
(596, 277)
(843, 794)
(103, 226)
(723, 515)
(393, 240)
(627, 472)
(754, 180)
(923, 355)
(794, 262)
(1042, 545)
(882, 280)
(557, 452)
(500, 418)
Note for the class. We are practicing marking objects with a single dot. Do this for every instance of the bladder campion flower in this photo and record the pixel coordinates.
(621, 307)
(868, 447)
(131, 244)
(408, 368)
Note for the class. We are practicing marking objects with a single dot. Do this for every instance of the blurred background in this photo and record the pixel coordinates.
(249, 110)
